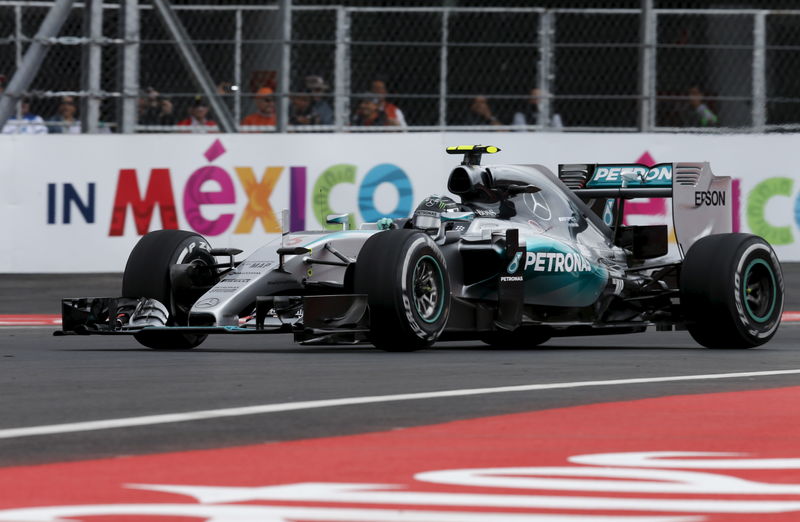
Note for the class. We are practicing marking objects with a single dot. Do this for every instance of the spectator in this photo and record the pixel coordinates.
(265, 109)
(65, 122)
(227, 88)
(480, 113)
(156, 109)
(301, 111)
(378, 88)
(319, 105)
(369, 114)
(198, 120)
(531, 114)
(28, 123)
(697, 113)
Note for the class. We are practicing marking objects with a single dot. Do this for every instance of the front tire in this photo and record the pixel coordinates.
(731, 291)
(147, 274)
(405, 277)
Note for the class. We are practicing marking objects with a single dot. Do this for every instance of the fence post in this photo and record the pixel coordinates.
(341, 80)
(237, 69)
(130, 65)
(759, 72)
(51, 26)
(545, 65)
(92, 61)
(443, 70)
(18, 36)
(284, 83)
(647, 69)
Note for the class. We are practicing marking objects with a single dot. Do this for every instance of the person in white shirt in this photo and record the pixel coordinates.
(28, 123)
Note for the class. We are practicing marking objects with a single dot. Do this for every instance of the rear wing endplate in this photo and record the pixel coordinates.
(701, 202)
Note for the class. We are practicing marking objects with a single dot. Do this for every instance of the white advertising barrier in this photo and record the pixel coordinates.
(80, 203)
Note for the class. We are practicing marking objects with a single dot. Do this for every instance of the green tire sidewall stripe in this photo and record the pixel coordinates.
(752, 315)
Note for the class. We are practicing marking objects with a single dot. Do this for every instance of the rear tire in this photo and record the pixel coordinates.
(731, 291)
(147, 275)
(404, 275)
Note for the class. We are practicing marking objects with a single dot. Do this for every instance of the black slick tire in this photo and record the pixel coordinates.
(147, 274)
(405, 277)
(731, 289)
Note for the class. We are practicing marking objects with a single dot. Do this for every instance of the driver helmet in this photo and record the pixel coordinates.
(428, 212)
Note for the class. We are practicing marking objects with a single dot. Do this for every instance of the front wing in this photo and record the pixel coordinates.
(323, 318)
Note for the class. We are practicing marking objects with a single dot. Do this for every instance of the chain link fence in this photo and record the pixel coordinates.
(406, 66)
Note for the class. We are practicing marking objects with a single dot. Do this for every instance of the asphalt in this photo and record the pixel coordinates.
(46, 380)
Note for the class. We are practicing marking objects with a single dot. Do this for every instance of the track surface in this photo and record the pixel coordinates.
(49, 381)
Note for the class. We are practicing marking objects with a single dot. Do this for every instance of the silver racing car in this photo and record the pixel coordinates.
(525, 255)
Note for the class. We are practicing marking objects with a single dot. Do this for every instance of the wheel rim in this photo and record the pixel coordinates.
(428, 286)
(759, 290)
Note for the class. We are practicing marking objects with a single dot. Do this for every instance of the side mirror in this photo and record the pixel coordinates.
(522, 189)
(338, 219)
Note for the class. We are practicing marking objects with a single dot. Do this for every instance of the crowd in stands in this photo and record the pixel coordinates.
(312, 106)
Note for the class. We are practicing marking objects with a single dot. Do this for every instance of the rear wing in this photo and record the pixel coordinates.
(618, 180)
(701, 202)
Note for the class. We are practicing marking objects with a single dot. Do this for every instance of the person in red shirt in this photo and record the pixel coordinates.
(265, 113)
(198, 119)
(393, 112)
(369, 115)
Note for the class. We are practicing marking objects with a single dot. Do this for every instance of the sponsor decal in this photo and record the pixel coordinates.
(196, 195)
(511, 279)
(378, 175)
(634, 175)
(709, 198)
(140, 195)
(657, 208)
(435, 201)
(571, 221)
(485, 212)
(768, 193)
(557, 262)
(608, 212)
(537, 204)
(257, 265)
(513, 266)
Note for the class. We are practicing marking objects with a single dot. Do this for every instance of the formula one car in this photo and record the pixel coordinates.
(525, 256)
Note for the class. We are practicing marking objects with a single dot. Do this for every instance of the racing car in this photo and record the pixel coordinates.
(524, 256)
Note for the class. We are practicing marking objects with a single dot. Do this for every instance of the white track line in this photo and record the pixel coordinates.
(260, 409)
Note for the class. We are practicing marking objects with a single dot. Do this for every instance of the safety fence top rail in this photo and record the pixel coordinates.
(438, 67)
(232, 6)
